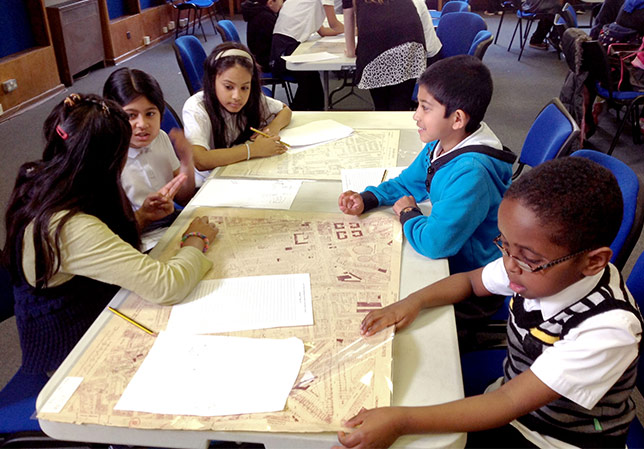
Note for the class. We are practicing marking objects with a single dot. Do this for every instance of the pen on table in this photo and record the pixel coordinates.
(131, 321)
(384, 176)
(266, 135)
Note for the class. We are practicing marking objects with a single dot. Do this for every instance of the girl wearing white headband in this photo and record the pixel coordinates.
(218, 120)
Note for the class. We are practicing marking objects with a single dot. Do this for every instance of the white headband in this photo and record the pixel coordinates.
(234, 52)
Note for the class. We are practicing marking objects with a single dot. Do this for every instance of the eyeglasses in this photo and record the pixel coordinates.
(525, 266)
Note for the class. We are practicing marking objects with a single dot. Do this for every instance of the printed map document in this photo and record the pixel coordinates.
(244, 303)
(252, 193)
(210, 375)
(362, 149)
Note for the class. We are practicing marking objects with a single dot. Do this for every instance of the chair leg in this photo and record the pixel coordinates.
(210, 16)
(632, 113)
(524, 40)
(498, 29)
(514, 34)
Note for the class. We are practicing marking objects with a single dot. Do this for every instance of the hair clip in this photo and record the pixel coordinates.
(72, 100)
(61, 132)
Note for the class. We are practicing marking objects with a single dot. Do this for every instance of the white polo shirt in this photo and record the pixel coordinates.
(300, 18)
(589, 359)
(148, 169)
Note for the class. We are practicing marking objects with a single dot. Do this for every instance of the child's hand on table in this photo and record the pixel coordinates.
(401, 314)
(375, 428)
(351, 203)
(404, 202)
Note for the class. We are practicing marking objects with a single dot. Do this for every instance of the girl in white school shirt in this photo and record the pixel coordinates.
(72, 237)
(218, 120)
(152, 165)
(297, 20)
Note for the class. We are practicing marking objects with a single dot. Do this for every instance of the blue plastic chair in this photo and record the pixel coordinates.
(18, 397)
(633, 197)
(170, 119)
(596, 62)
(457, 31)
(449, 7)
(635, 284)
(481, 42)
(190, 56)
(228, 31)
(529, 17)
(197, 7)
(549, 137)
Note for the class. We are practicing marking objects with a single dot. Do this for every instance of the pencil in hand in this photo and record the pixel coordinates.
(261, 133)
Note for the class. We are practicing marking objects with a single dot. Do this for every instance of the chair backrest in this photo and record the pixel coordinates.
(635, 284)
(594, 60)
(482, 41)
(228, 31)
(569, 15)
(550, 136)
(170, 119)
(455, 6)
(633, 197)
(457, 31)
(190, 56)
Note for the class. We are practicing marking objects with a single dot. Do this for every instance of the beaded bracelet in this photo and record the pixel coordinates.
(206, 242)
(247, 151)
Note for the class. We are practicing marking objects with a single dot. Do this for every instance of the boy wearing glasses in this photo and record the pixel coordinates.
(573, 332)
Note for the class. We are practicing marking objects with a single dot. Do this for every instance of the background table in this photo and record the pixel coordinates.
(426, 368)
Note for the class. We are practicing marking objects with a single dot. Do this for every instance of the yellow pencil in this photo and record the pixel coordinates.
(131, 321)
(384, 176)
(266, 135)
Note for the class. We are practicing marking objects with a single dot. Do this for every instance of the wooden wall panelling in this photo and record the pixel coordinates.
(34, 70)
(154, 19)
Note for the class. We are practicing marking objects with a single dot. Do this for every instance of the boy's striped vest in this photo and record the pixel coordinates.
(607, 423)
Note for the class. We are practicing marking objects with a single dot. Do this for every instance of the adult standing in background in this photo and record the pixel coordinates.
(261, 16)
(391, 52)
(297, 20)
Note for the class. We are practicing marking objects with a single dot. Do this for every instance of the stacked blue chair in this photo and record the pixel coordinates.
(190, 56)
(481, 42)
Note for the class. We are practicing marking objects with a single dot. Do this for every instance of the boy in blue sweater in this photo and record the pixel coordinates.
(464, 170)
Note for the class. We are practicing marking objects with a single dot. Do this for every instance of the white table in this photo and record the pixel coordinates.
(426, 368)
(340, 63)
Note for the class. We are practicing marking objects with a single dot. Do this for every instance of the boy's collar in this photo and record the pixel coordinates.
(552, 305)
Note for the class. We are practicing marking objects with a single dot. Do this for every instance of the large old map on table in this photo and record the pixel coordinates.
(362, 149)
(354, 265)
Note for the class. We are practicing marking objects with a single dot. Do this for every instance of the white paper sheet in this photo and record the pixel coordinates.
(313, 134)
(235, 304)
(253, 193)
(209, 375)
(358, 179)
(310, 57)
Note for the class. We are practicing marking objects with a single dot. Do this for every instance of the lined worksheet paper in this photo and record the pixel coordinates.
(358, 179)
(235, 304)
(210, 375)
(252, 193)
(307, 136)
